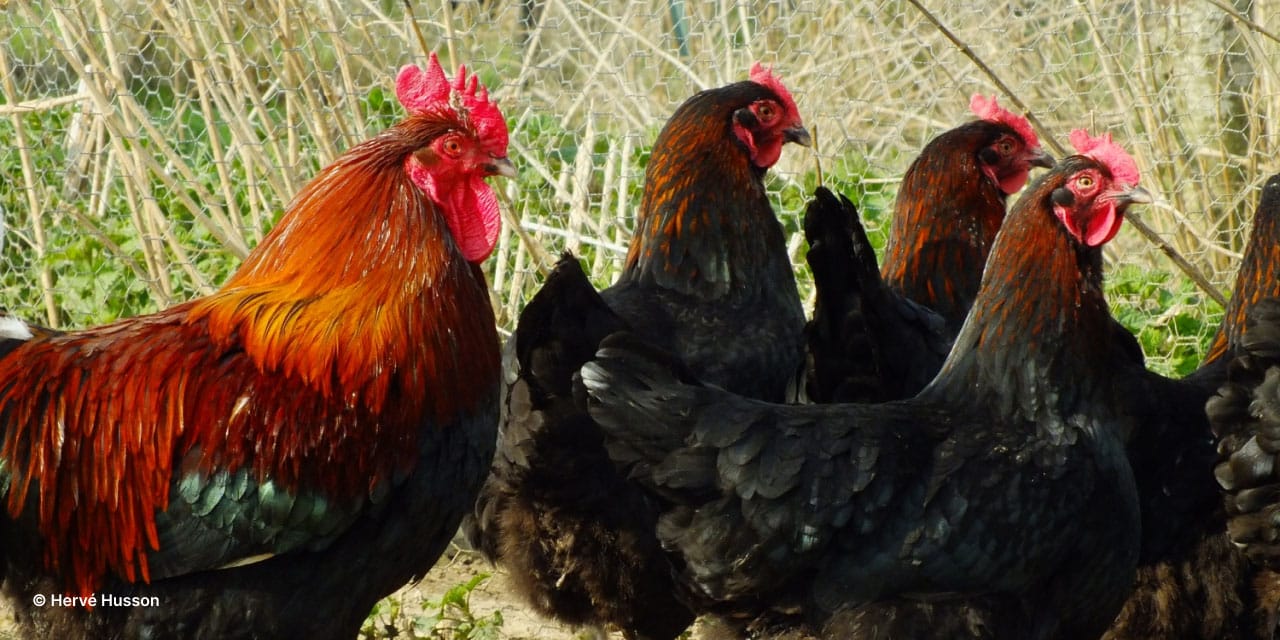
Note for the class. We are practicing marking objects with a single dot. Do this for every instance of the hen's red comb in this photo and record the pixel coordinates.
(763, 75)
(991, 111)
(420, 90)
(1107, 153)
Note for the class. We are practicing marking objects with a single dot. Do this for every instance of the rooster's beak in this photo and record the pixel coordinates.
(1127, 195)
(1041, 158)
(501, 167)
(797, 134)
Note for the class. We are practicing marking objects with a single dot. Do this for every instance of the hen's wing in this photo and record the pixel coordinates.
(866, 342)
(850, 503)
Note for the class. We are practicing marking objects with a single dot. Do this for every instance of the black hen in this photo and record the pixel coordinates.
(1004, 480)
(1192, 581)
(708, 277)
(948, 210)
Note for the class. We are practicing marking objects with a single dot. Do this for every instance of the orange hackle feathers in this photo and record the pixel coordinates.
(697, 221)
(354, 325)
(944, 223)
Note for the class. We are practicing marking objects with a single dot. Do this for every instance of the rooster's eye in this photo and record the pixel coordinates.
(1084, 182)
(1006, 147)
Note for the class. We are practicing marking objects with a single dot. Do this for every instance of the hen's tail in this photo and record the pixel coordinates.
(866, 342)
(842, 363)
(1245, 415)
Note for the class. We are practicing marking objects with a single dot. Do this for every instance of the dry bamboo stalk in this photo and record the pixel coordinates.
(35, 210)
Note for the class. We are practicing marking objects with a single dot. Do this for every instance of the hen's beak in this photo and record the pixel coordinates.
(1127, 195)
(797, 134)
(1041, 158)
(501, 167)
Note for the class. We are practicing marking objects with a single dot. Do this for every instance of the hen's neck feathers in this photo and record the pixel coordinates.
(951, 212)
(1038, 335)
(1256, 278)
(705, 225)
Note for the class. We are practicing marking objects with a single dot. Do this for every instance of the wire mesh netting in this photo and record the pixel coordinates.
(146, 146)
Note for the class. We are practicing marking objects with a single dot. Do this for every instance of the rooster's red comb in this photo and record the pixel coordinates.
(1108, 154)
(423, 90)
(991, 111)
(763, 75)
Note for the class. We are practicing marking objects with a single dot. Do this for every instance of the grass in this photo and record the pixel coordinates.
(451, 617)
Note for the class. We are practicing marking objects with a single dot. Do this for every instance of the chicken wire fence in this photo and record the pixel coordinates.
(147, 146)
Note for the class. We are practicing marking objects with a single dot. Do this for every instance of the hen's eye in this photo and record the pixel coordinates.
(766, 111)
(1006, 147)
(1084, 182)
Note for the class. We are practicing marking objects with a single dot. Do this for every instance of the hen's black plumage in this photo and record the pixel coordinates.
(1005, 479)
(708, 277)
(1239, 411)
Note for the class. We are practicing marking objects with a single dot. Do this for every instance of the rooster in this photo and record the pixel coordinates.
(707, 276)
(1004, 479)
(272, 459)
(948, 210)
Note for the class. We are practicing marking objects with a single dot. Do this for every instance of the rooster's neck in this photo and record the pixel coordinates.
(360, 288)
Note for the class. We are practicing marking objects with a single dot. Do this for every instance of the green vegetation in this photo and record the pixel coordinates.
(1174, 321)
(449, 618)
